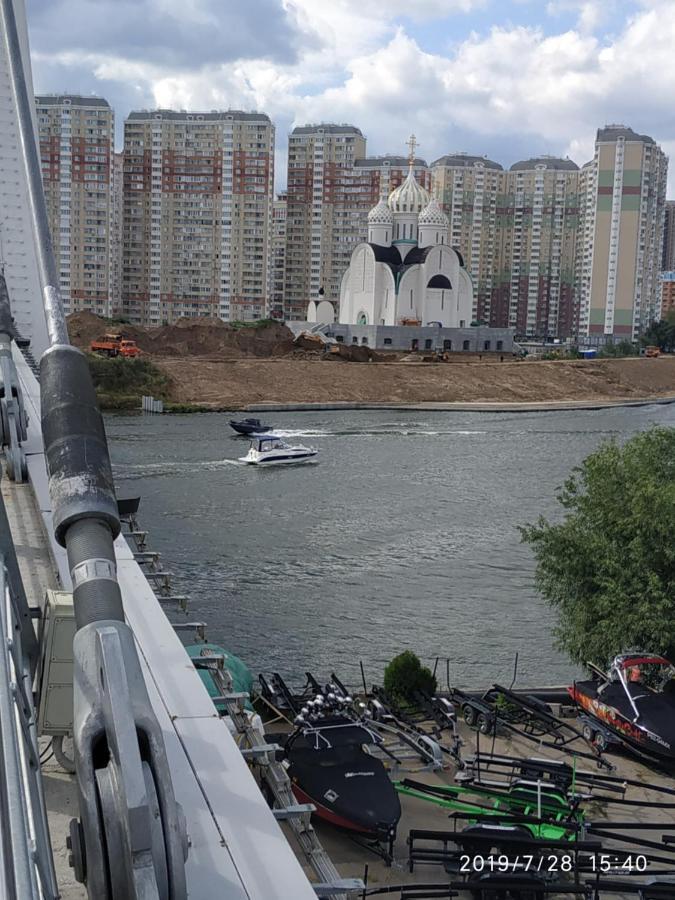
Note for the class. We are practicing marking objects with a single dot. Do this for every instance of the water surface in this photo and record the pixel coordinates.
(402, 535)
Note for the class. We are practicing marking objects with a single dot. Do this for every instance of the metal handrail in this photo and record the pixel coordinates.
(26, 861)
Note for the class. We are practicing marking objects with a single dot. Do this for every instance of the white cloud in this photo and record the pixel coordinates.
(513, 86)
(591, 14)
(558, 88)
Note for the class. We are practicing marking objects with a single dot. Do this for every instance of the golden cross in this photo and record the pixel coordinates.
(412, 143)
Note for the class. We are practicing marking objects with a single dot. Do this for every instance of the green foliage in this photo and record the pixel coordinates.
(120, 383)
(661, 334)
(622, 349)
(181, 408)
(405, 674)
(561, 353)
(257, 323)
(609, 566)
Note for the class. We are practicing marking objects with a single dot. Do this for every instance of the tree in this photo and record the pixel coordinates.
(405, 675)
(608, 567)
(623, 348)
(661, 334)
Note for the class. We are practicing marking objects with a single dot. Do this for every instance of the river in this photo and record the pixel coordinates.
(402, 535)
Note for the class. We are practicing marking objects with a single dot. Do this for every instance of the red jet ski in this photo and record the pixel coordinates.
(635, 700)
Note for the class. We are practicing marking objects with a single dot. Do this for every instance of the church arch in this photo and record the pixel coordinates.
(440, 281)
(362, 318)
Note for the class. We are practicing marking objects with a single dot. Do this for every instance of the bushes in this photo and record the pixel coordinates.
(405, 675)
(120, 383)
(622, 349)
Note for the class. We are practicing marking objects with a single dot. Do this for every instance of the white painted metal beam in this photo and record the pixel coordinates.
(238, 851)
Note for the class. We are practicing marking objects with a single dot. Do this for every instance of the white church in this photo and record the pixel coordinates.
(406, 273)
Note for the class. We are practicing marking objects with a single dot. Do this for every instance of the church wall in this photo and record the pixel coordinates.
(410, 295)
(325, 312)
(440, 307)
(457, 340)
(385, 293)
(358, 286)
(465, 300)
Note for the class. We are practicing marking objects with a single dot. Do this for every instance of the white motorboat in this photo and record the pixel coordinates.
(268, 449)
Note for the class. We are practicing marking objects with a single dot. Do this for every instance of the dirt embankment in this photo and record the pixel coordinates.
(211, 363)
(236, 384)
(190, 337)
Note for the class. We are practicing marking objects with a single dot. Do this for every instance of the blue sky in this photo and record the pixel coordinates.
(505, 78)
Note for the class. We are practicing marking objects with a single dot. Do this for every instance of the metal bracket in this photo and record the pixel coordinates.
(132, 843)
(13, 417)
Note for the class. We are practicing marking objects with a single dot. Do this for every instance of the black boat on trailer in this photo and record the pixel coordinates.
(329, 767)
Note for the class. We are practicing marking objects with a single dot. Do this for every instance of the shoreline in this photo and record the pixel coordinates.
(459, 406)
(261, 385)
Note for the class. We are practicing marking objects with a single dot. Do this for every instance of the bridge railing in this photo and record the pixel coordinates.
(26, 862)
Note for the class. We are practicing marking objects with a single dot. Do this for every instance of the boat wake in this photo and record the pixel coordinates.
(410, 431)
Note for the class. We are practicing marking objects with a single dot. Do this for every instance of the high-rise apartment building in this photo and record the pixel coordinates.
(539, 246)
(323, 220)
(625, 203)
(667, 294)
(470, 190)
(198, 193)
(76, 150)
(375, 176)
(668, 261)
(279, 210)
(116, 228)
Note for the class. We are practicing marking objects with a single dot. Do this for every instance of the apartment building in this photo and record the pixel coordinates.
(471, 192)
(116, 235)
(667, 294)
(279, 211)
(76, 150)
(539, 246)
(668, 262)
(324, 220)
(625, 205)
(376, 176)
(197, 219)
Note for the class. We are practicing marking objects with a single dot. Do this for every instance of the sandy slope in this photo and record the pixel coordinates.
(236, 383)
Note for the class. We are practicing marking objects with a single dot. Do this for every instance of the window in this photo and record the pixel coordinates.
(462, 323)
(427, 344)
(355, 340)
(414, 345)
(500, 345)
(340, 339)
(364, 340)
(387, 342)
(466, 345)
(486, 345)
(447, 345)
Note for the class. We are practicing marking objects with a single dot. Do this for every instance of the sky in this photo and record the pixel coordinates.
(508, 79)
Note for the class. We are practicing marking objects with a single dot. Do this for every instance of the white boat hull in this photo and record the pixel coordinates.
(270, 459)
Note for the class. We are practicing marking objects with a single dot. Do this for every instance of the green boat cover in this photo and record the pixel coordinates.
(242, 679)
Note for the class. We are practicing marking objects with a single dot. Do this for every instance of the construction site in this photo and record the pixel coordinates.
(225, 366)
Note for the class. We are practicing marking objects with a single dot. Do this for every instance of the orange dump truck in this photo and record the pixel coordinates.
(114, 345)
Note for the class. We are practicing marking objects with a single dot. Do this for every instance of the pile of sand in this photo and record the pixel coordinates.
(189, 337)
